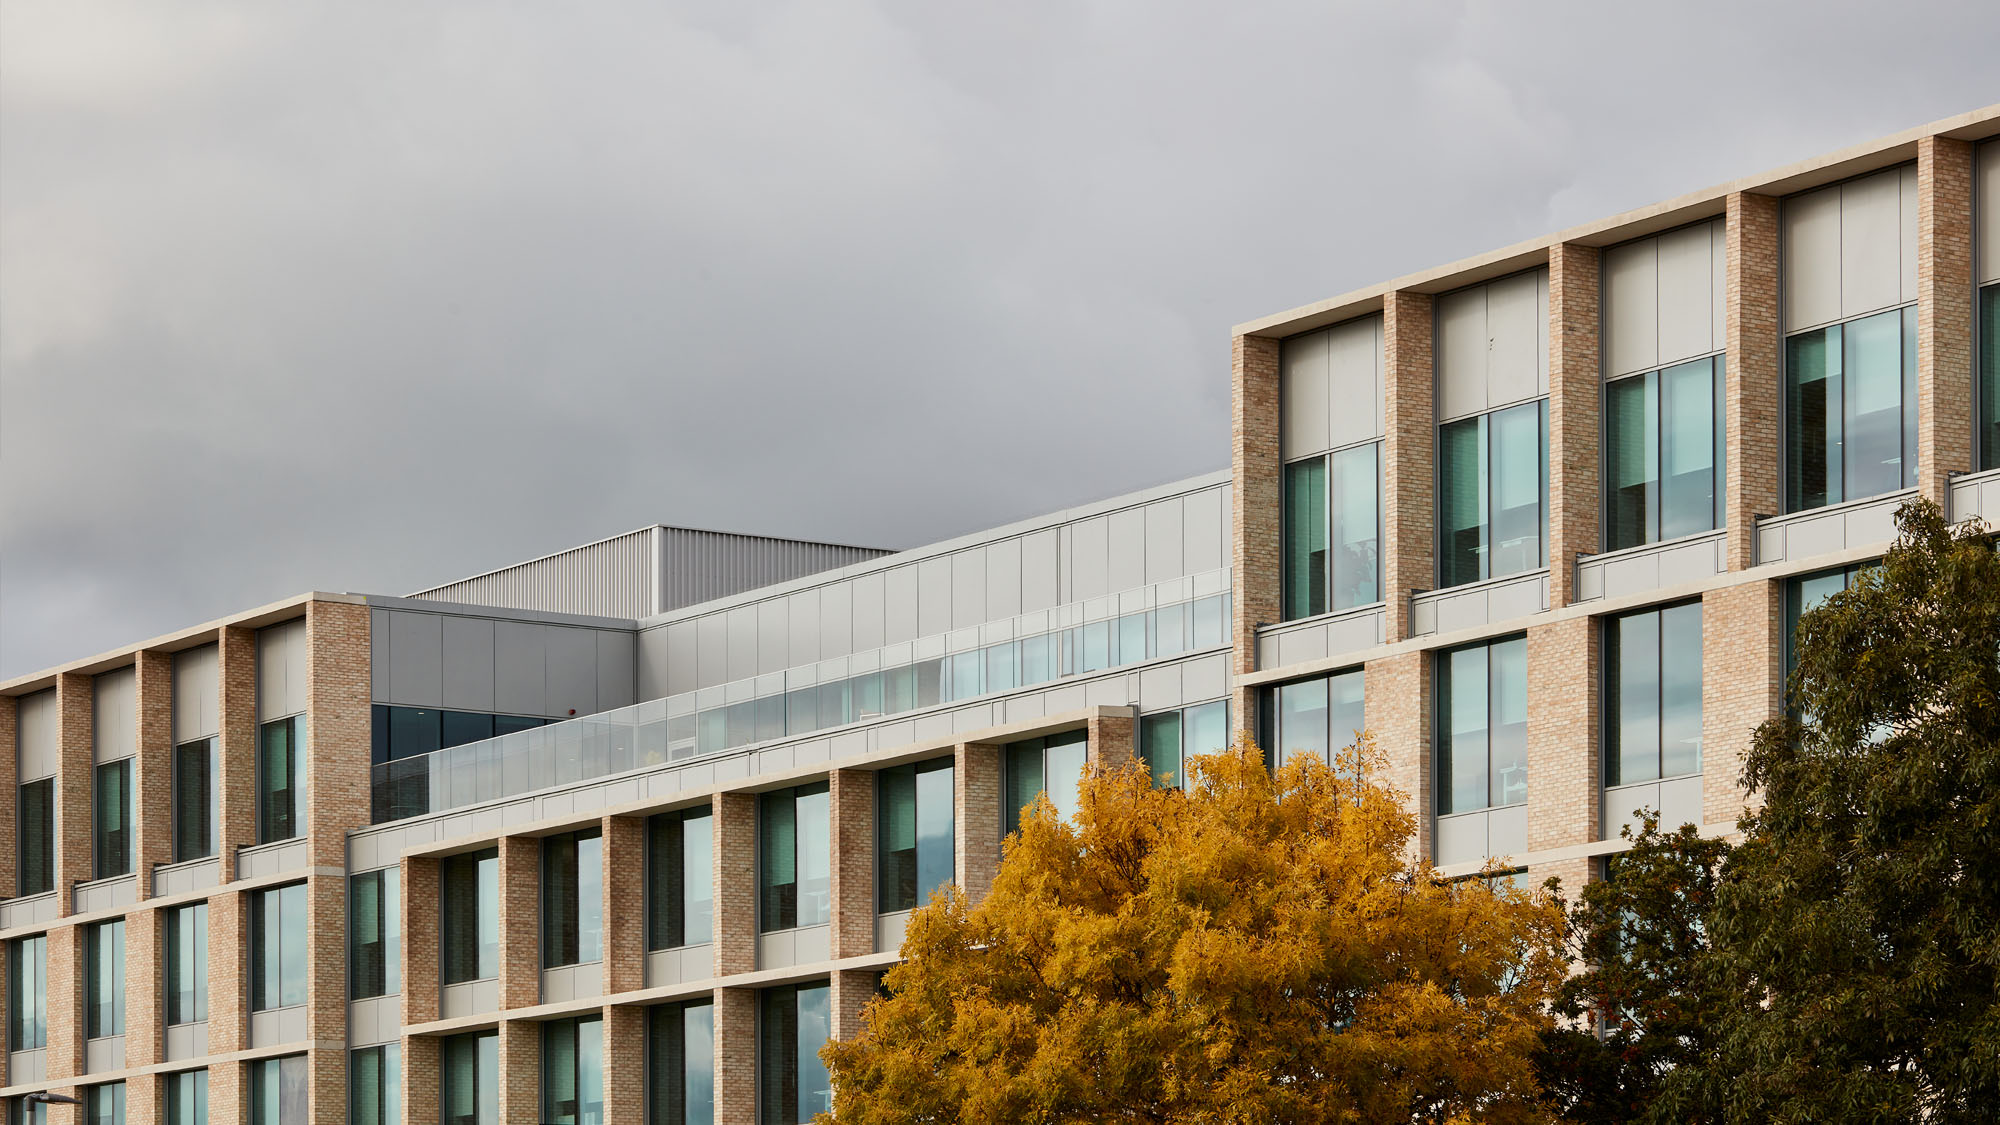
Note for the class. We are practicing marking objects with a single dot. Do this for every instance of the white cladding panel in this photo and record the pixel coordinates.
(114, 722)
(1462, 347)
(774, 636)
(281, 670)
(1632, 307)
(1204, 515)
(1688, 259)
(968, 587)
(1041, 570)
(1127, 549)
(1303, 410)
(197, 694)
(1664, 299)
(1355, 377)
(1164, 540)
(1849, 249)
(1986, 211)
(37, 735)
(850, 616)
(1003, 578)
(1493, 345)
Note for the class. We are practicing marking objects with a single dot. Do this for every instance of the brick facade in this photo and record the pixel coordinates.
(1741, 664)
(1563, 725)
(75, 706)
(735, 1056)
(1753, 373)
(1944, 312)
(735, 883)
(1396, 701)
(1255, 545)
(624, 889)
(1409, 418)
(1576, 380)
(976, 827)
(851, 801)
(520, 921)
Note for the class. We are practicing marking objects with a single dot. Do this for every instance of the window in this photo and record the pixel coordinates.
(1652, 719)
(1052, 765)
(913, 834)
(375, 1085)
(1805, 594)
(1167, 739)
(1493, 494)
(104, 1105)
(793, 1023)
(469, 928)
(470, 1091)
(573, 898)
(1482, 726)
(1851, 410)
(1333, 534)
(28, 993)
(197, 800)
(112, 847)
(573, 1072)
(1663, 454)
(1989, 376)
(1317, 717)
(23, 1112)
(411, 732)
(280, 788)
(278, 1091)
(187, 1098)
(38, 842)
(680, 879)
(375, 922)
(278, 948)
(794, 841)
(104, 979)
(187, 964)
(680, 1064)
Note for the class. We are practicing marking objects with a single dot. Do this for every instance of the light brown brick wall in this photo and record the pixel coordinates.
(228, 977)
(850, 991)
(1944, 312)
(1257, 550)
(145, 997)
(1110, 742)
(10, 783)
(624, 903)
(1753, 375)
(1575, 382)
(1741, 658)
(1564, 779)
(326, 1084)
(236, 669)
(421, 1079)
(422, 968)
(153, 768)
(520, 921)
(1396, 700)
(326, 957)
(975, 783)
(63, 1057)
(75, 700)
(851, 799)
(142, 1100)
(1574, 873)
(520, 1072)
(337, 709)
(735, 883)
(1408, 463)
(735, 1056)
(624, 1062)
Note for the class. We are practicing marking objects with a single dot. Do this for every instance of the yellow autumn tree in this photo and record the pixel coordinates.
(1254, 949)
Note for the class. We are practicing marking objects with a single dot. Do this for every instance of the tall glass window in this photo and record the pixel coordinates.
(28, 993)
(113, 846)
(375, 1085)
(1989, 376)
(573, 1072)
(469, 1093)
(38, 836)
(278, 1091)
(794, 850)
(469, 927)
(187, 964)
(680, 879)
(1333, 531)
(104, 979)
(573, 898)
(1663, 453)
(1652, 719)
(1051, 765)
(1804, 594)
(1482, 726)
(104, 1105)
(1851, 410)
(1167, 739)
(278, 948)
(793, 1023)
(1493, 494)
(187, 1098)
(1319, 717)
(280, 787)
(913, 833)
(680, 1064)
(197, 800)
(23, 1112)
(375, 933)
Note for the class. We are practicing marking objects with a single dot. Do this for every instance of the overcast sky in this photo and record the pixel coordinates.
(373, 296)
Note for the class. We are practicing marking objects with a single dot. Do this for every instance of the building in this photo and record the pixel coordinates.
(625, 833)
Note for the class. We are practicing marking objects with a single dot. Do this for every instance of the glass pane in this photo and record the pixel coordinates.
(815, 857)
(1462, 502)
(1302, 721)
(1989, 377)
(1065, 772)
(1211, 617)
(1517, 493)
(461, 727)
(967, 672)
(896, 839)
(196, 800)
(278, 781)
(1812, 420)
(113, 799)
(1305, 538)
(777, 861)
(1461, 691)
(1345, 713)
(1170, 630)
(1131, 638)
(698, 1031)
(936, 853)
(37, 815)
(815, 1028)
(1357, 527)
(1687, 454)
(1205, 729)
(590, 898)
(1024, 780)
(1634, 719)
(1160, 747)
(1680, 690)
(1631, 462)
(1509, 664)
(698, 879)
(1872, 408)
(778, 1056)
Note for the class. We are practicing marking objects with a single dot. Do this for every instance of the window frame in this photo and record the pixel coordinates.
(176, 934)
(96, 961)
(19, 982)
(668, 1093)
(287, 1073)
(387, 1064)
(1489, 451)
(920, 895)
(1442, 749)
(211, 801)
(1010, 812)
(666, 913)
(572, 930)
(388, 944)
(1910, 419)
(578, 1070)
(111, 845)
(1719, 427)
(263, 959)
(1329, 483)
(281, 818)
(1612, 737)
(476, 880)
(43, 880)
(770, 894)
(773, 1081)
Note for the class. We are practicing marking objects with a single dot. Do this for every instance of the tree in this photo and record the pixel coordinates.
(1254, 949)
(1860, 917)
(1642, 1006)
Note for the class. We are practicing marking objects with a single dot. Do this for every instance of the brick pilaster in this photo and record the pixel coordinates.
(1754, 372)
(1944, 312)
(75, 704)
(1574, 873)
(624, 1062)
(851, 800)
(10, 784)
(338, 719)
(236, 671)
(1409, 467)
(735, 1056)
(145, 996)
(624, 895)
(228, 976)
(142, 1097)
(154, 769)
(229, 1096)
(1111, 742)
(326, 959)
(1563, 771)
(63, 1056)
(1742, 660)
(1396, 700)
(421, 966)
(735, 883)
(421, 1079)
(520, 1072)
(326, 1083)
(975, 782)
(850, 991)
(1576, 380)
(520, 922)
(1256, 542)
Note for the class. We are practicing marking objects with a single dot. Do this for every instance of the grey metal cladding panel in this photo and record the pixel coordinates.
(774, 636)
(1202, 516)
(572, 670)
(1687, 327)
(742, 642)
(1164, 539)
(197, 690)
(613, 578)
(1089, 558)
(1303, 407)
(701, 565)
(1908, 239)
(520, 667)
(933, 596)
(681, 657)
(1128, 549)
(467, 680)
(712, 650)
(1517, 324)
(968, 587)
(378, 659)
(1003, 578)
(37, 737)
(1354, 382)
(1462, 347)
(616, 673)
(1631, 307)
(850, 617)
(1986, 212)
(899, 605)
(1041, 570)
(652, 673)
(282, 661)
(802, 627)
(416, 659)
(1871, 230)
(1809, 258)
(114, 722)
